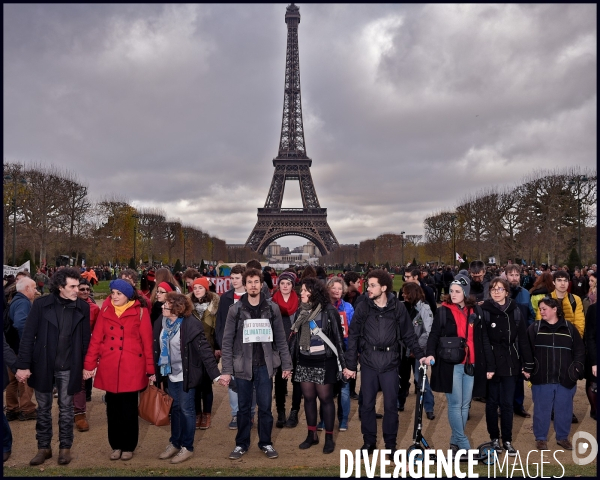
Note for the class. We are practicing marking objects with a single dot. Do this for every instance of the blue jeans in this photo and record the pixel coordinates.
(458, 406)
(344, 402)
(545, 397)
(428, 401)
(183, 416)
(233, 402)
(263, 385)
(7, 442)
(66, 416)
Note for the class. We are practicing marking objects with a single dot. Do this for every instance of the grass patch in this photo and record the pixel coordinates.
(243, 471)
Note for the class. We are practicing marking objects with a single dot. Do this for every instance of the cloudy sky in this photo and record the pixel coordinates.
(407, 108)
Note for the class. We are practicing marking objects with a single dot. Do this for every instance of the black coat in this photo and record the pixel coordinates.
(390, 327)
(508, 342)
(589, 338)
(37, 351)
(442, 373)
(10, 361)
(197, 355)
(225, 302)
(331, 327)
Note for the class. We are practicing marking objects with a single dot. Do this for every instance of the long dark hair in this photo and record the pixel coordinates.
(318, 293)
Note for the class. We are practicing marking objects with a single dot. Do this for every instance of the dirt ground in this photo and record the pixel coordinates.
(212, 446)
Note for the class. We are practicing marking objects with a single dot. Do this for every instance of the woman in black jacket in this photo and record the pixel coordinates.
(459, 317)
(505, 328)
(183, 355)
(316, 363)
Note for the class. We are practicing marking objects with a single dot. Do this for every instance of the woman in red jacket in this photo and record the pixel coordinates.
(120, 359)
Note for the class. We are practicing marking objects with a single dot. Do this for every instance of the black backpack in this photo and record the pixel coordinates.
(10, 332)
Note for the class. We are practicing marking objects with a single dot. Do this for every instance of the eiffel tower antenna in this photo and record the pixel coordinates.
(292, 163)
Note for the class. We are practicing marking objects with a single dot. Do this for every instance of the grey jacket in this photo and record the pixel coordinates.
(237, 356)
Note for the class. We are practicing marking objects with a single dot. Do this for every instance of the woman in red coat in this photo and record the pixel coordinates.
(120, 359)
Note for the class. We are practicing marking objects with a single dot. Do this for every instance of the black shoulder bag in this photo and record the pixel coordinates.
(450, 349)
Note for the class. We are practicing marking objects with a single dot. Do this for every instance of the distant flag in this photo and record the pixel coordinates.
(458, 257)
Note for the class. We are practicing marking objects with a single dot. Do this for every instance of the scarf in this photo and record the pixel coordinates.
(120, 310)
(170, 329)
(287, 308)
(502, 308)
(305, 315)
(201, 308)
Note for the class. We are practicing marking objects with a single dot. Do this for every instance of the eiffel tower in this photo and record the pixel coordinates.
(292, 163)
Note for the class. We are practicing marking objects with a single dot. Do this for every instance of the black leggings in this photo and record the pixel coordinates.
(310, 392)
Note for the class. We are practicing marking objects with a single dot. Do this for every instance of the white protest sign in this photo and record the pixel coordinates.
(257, 330)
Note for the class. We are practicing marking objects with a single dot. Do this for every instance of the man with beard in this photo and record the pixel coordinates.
(256, 360)
(521, 297)
(378, 327)
(479, 285)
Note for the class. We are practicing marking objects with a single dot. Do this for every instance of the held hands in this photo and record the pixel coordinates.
(594, 370)
(490, 375)
(89, 373)
(152, 378)
(224, 380)
(286, 374)
(348, 373)
(428, 360)
(525, 374)
(22, 375)
(217, 354)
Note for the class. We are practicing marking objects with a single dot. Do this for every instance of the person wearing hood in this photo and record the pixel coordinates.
(459, 316)
(507, 333)
(120, 360)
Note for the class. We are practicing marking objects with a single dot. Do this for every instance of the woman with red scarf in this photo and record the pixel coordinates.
(287, 300)
(460, 317)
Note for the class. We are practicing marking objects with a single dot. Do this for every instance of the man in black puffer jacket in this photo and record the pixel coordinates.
(378, 326)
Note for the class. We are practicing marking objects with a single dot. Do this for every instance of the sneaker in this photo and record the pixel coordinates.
(169, 452)
(510, 450)
(292, 420)
(496, 445)
(281, 420)
(343, 425)
(269, 451)
(237, 453)
(233, 424)
(353, 396)
(321, 426)
(182, 456)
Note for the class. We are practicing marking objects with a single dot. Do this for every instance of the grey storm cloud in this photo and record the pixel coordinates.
(406, 107)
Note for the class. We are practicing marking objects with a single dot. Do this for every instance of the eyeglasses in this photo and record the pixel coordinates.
(497, 290)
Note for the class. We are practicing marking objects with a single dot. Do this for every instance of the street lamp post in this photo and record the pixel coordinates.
(23, 181)
(453, 218)
(578, 182)
(135, 219)
(402, 233)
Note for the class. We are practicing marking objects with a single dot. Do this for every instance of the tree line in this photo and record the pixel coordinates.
(535, 220)
(55, 216)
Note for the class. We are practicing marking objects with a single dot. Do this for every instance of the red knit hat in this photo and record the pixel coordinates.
(202, 281)
(167, 286)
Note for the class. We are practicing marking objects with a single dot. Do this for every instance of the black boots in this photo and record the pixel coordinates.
(311, 439)
(280, 419)
(329, 446)
(292, 420)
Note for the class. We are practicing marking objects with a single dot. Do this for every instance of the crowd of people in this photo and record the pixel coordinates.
(485, 332)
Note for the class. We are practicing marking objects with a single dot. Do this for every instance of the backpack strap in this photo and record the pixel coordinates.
(442, 311)
(573, 302)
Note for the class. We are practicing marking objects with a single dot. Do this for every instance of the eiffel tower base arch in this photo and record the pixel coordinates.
(309, 223)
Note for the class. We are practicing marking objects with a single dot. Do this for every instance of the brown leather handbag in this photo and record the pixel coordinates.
(155, 405)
